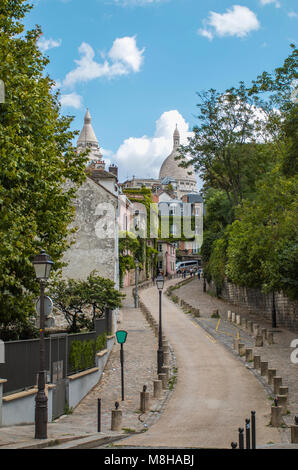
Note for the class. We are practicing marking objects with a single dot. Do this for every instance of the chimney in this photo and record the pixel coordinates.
(114, 170)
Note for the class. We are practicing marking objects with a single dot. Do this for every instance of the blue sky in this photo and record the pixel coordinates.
(137, 64)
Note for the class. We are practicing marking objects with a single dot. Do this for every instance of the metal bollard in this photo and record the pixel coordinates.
(241, 438)
(247, 433)
(253, 429)
(98, 415)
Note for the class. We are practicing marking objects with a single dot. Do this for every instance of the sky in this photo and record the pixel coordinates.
(138, 64)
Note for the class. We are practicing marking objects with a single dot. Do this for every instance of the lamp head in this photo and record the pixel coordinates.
(160, 282)
(42, 264)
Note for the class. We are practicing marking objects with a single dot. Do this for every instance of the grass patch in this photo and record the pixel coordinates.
(172, 382)
(128, 430)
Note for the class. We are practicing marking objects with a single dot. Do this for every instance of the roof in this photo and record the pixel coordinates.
(101, 174)
(170, 167)
(194, 198)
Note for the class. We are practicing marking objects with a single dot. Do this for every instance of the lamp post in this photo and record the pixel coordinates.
(121, 338)
(160, 284)
(137, 284)
(42, 264)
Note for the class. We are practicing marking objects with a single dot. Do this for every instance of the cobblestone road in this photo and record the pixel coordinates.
(277, 354)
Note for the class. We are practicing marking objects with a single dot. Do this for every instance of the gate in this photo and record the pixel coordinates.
(58, 371)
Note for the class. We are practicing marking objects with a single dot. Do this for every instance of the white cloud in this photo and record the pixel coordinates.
(292, 14)
(143, 156)
(204, 32)
(46, 44)
(124, 58)
(237, 21)
(267, 2)
(124, 50)
(71, 100)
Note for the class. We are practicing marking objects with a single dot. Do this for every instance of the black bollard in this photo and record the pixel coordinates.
(253, 429)
(247, 433)
(234, 445)
(99, 415)
(241, 438)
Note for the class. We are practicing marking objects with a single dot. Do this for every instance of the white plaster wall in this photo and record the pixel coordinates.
(22, 410)
(96, 240)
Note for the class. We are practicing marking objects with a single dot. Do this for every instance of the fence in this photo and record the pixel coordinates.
(22, 357)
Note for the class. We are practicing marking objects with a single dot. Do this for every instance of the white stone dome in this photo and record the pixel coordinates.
(170, 167)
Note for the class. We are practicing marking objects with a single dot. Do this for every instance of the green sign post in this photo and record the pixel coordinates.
(121, 338)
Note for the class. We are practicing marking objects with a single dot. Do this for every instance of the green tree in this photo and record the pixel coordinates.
(263, 241)
(225, 148)
(37, 158)
(82, 301)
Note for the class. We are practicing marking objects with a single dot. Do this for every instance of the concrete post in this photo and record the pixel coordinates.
(248, 355)
(270, 337)
(256, 329)
(244, 323)
(166, 370)
(157, 388)
(276, 417)
(259, 341)
(277, 381)
(294, 434)
(241, 349)
(271, 373)
(2, 382)
(282, 402)
(144, 401)
(236, 343)
(163, 378)
(229, 315)
(257, 362)
(197, 312)
(116, 424)
(238, 319)
(264, 368)
(166, 358)
(233, 317)
(249, 325)
(264, 333)
(283, 390)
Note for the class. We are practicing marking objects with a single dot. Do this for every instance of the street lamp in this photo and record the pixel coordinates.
(160, 283)
(42, 264)
(136, 283)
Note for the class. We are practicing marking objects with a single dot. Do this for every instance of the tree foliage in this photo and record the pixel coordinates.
(36, 159)
(82, 301)
(246, 149)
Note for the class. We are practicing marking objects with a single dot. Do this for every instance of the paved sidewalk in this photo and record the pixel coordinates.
(214, 392)
(140, 353)
(277, 354)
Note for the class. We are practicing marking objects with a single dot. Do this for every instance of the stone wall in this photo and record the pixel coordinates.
(259, 303)
(96, 239)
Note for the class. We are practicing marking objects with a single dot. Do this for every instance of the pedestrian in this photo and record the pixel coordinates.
(199, 274)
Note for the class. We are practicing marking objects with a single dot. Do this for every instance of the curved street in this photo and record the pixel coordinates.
(214, 391)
